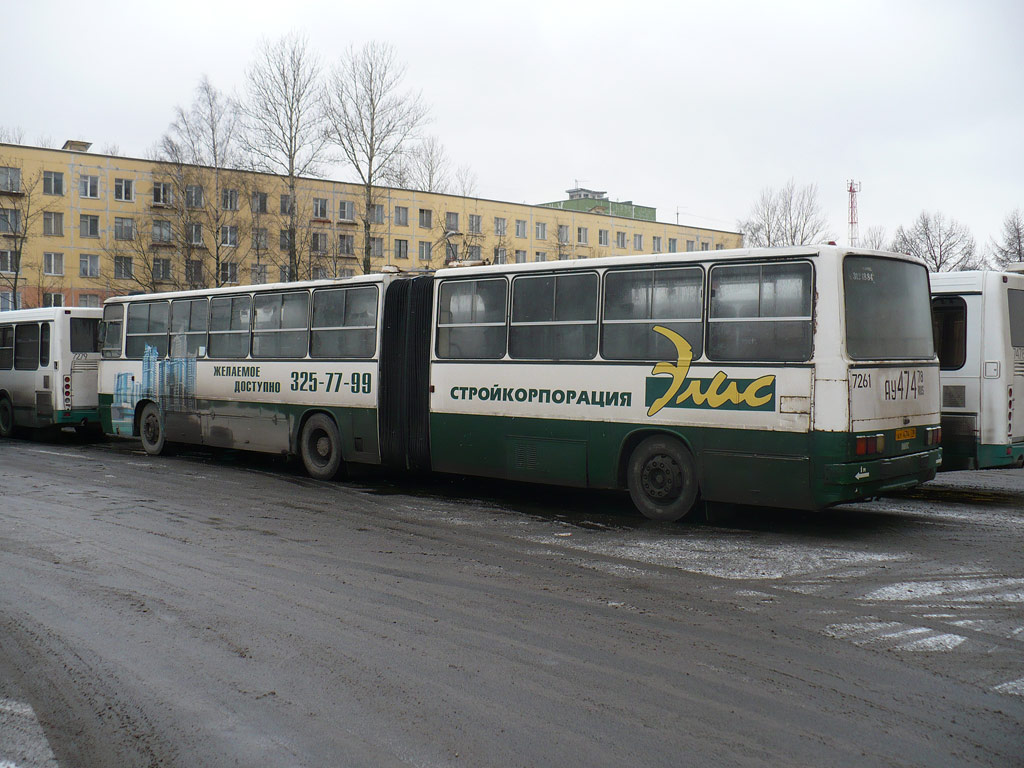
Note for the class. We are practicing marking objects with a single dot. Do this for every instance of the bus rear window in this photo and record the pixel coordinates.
(1015, 301)
(888, 309)
(949, 328)
(85, 334)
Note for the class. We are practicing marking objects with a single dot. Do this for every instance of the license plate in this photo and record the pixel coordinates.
(906, 434)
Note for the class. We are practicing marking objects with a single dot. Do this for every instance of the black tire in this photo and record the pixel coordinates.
(320, 447)
(662, 479)
(6, 418)
(151, 430)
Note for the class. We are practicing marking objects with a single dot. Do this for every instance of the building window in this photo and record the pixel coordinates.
(377, 247)
(258, 203)
(541, 230)
(161, 193)
(10, 179)
(318, 242)
(124, 229)
(689, 245)
(563, 233)
(260, 239)
(89, 226)
(602, 237)
(346, 245)
(704, 246)
(9, 301)
(638, 242)
(88, 300)
(162, 269)
(540, 256)
(673, 245)
(500, 226)
(161, 231)
(520, 257)
(377, 213)
(499, 256)
(287, 205)
(10, 221)
(424, 251)
(451, 222)
(451, 251)
(89, 186)
(346, 210)
(620, 239)
(228, 272)
(284, 274)
(195, 234)
(229, 199)
(656, 244)
(53, 183)
(426, 218)
(401, 249)
(581, 235)
(473, 252)
(124, 189)
(229, 235)
(53, 263)
(53, 223)
(475, 224)
(319, 207)
(401, 216)
(520, 227)
(122, 267)
(319, 273)
(259, 274)
(285, 240)
(8, 262)
(88, 265)
(193, 196)
(719, 247)
(194, 272)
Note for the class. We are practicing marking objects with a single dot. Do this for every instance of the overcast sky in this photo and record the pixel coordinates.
(690, 107)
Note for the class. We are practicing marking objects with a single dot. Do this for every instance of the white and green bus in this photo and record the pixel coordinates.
(49, 360)
(979, 336)
(801, 377)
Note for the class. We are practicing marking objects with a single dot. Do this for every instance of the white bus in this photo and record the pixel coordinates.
(48, 368)
(979, 334)
(800, 377)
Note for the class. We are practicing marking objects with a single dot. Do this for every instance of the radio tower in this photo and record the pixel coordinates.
(853, 187)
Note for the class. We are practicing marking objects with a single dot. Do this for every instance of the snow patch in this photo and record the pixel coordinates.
(1015, 687)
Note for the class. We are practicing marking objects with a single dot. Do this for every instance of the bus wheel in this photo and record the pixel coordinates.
(151, 430)
(320, 446)
(6, 418)
(662, 479)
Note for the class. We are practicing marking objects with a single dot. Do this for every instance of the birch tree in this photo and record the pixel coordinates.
(372, 121)
(943, 244)
(789, 215)
(1011, 249)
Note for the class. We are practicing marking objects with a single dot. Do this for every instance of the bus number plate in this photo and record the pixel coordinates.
(906, 434)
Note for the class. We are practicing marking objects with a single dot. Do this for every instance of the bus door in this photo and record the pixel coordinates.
(32, 393)
(1015, 304)
(81, 346)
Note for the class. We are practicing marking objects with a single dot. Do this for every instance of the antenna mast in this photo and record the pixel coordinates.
(853, 187)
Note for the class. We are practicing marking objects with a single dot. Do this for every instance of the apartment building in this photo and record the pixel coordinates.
(77, 227)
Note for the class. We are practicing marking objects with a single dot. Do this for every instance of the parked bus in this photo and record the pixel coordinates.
(48, 368)
(978, 318)
(800, 377)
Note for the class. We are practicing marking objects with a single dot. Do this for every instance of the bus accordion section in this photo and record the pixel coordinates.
(978, 321)
(49, 360)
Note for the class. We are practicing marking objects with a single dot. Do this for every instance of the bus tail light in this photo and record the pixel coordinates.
(67, 393)
(868, 445)
(933, 436)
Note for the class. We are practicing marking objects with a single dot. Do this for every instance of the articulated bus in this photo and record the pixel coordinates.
(49, 360)
(801, 377)
(979, 335)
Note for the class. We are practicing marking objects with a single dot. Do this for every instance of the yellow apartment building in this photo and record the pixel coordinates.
(77, 227)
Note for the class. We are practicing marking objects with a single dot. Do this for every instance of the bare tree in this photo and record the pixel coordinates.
(283, 117)
(876, 238)
(22, 206)
(465, 181)
(431, 168)
(790, 215)
(11, 135)
(140, 258)
(944, 245)
(371, 120)
(111, 149)
(1011, 249)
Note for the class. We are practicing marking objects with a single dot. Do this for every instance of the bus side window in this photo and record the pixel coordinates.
(280, 324)
(6, 347)
(110, 330)
(554, 317)
(190, 319)
(345, 322)
(44, 345)
(635, 301)
(471, 319)
(26, 347)
(229, 326)
(147, 327)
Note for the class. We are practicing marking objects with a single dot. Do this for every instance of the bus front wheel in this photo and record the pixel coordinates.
(320, 446)
(6, 418)
(662, 479)
(151, 430)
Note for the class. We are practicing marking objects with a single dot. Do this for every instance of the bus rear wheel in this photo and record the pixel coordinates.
(320, 446)
(662, 479)
(6, 418)
(151, 430)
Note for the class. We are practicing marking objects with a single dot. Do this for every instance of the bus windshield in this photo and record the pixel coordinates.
(888, 309)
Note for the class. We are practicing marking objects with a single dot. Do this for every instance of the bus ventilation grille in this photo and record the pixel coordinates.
(525, 456)
(954, 396)
(959, 426)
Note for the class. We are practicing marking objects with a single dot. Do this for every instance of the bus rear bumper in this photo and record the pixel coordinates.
(866, 478)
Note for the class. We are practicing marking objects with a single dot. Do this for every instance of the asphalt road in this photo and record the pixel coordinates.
(225, 610)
